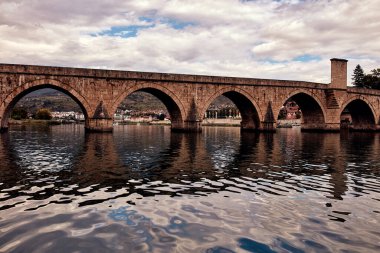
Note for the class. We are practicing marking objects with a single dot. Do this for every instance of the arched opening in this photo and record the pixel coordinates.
(290, 115)
(357, 116)
(302, 110)
(232, 108)
(40, 101)
(149, 105)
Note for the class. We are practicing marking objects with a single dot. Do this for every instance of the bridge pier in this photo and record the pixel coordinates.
(326, 127)
(332, 127)
(99, 125)
(194, 126)
(267, 127)
(363, 128)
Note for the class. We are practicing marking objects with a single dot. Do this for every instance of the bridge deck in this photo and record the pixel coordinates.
(152, 76)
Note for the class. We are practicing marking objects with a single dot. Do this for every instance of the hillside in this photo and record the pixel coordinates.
(58, 101)
(51, 99)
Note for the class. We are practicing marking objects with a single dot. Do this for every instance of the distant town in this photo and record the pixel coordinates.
(222, 113)
(139, 107)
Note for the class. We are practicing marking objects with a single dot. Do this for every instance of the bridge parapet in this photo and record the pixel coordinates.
(364, 91)
(152, 76)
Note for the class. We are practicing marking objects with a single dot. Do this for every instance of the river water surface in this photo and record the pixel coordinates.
(145, 189)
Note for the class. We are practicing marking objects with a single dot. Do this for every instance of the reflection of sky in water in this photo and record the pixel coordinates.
(235, 221)
(222, 155)
(222, 152)
(148, 154)
(139, 225)
(38, 151)
(143, 189)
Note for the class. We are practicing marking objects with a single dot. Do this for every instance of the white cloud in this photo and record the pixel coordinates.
(227, 37)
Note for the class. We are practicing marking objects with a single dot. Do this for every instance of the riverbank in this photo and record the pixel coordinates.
(42, 122)
(222, 122)
(143, 122)
(289, 123)
(206, 122)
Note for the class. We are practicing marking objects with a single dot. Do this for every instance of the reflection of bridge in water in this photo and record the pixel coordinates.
(195, 164)
(187, 97)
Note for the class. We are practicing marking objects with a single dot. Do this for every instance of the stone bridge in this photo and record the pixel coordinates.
(187, 97)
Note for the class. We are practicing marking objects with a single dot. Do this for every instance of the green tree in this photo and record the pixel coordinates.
(372, 80)
(161, 116)
(44, 114)
(298, 114)
(282, 113)
(376, 72)
(358, 76)
(19, 113)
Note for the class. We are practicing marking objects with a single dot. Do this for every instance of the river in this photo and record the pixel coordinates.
(145, 189)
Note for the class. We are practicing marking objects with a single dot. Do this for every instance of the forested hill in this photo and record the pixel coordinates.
(50, 99)
(58, 101)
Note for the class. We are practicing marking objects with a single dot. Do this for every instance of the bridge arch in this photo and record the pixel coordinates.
(362, 113)
(168, 98)
(251, 115)
(313, 111)
(16, 94)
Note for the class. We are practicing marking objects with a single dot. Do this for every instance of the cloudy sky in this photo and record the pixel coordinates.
(283, 39)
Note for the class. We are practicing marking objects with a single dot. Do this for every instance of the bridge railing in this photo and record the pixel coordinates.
(153, 76)
(366, 91)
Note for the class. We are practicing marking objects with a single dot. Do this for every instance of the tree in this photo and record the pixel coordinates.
(376, 72)
(161, 116)
(298, 114)
(372, 80)
(44, 114)
(19, 113)
(282, 113)
(358, 76)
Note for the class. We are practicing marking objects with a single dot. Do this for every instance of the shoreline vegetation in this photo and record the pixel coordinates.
(154, 122)
(222, 123)
(41, 122)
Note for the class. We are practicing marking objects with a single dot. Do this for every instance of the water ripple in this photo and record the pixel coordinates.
(145, 189)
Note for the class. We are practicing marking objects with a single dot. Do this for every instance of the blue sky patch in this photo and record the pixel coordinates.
(146, 19)
(307, 58)
(123, 31)
(132, 30)
(271, 61)
(176, 24)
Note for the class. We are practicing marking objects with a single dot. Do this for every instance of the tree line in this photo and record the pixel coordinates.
(371, 80)
(19, 113)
